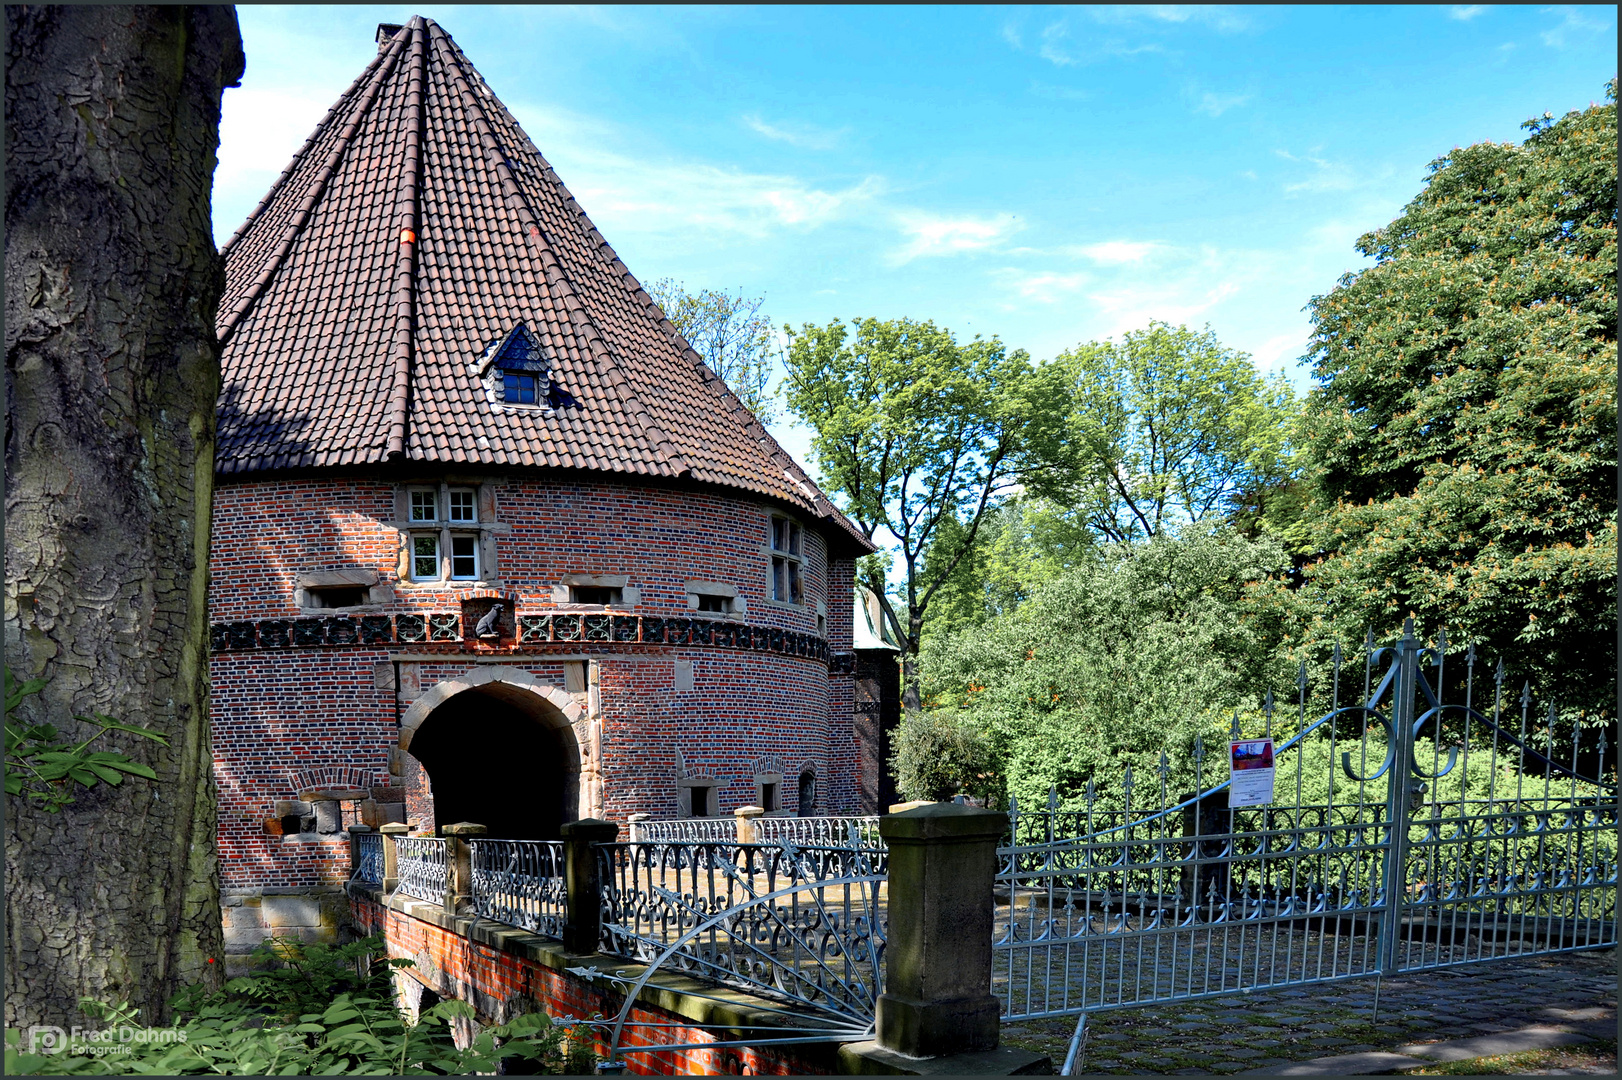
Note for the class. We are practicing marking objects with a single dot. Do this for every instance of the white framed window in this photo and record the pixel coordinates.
(787, 543)
(424, 504)
(464, 557)
(463, 508)
(425, 556)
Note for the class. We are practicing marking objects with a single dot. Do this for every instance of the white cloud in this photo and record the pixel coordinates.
(1223, 19)
(1044, 286)
(803, 135)
(260, 131)
(661, 194)
(1573, 27)
(1464, 12)
(931, 235)
(1217, 104)
(1280, 350)
(1118, 252)
(1059, 93)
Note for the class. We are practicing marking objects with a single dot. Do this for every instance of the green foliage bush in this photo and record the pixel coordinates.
(1130, 655)
(309, 1011)
(939, 754)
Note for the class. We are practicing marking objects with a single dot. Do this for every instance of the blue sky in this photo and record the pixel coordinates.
(1047, 175)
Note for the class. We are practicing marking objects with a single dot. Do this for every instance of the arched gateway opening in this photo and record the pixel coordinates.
(499, 749)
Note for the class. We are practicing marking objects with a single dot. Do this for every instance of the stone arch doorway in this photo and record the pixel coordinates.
(500, 749)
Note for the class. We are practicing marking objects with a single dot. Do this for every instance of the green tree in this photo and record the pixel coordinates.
(730, 333)
(1168, 426)
(1023, 542)
(112, 375)
(1463, 441)
(921, 435)
(1126, 656)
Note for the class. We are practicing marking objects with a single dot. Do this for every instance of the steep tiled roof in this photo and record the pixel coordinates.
(417, 226)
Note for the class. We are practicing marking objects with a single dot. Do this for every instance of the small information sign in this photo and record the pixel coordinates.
(1252, 774)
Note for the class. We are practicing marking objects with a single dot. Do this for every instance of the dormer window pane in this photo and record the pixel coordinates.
(424, 505)
(518, 388)
(462, 506)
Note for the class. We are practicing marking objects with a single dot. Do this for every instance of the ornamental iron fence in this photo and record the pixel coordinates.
(520, 883)
(801, 925)
(853, 832)
(424, 866)
(369, 858)
(705, 830)
(1370, 849)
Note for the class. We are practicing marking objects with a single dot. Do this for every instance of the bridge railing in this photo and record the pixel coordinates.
(424, 866)
(521, 883)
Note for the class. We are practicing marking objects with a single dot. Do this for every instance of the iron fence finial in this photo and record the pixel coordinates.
(1199, 747)
(1526, 693)
(1234, 730)
(1053, 797)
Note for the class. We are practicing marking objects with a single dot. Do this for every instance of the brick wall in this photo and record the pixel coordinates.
(501, 985)
(281, 716)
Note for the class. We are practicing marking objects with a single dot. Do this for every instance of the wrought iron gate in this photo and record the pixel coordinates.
(1381, 852)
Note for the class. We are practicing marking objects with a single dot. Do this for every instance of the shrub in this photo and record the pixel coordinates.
(312, 1010)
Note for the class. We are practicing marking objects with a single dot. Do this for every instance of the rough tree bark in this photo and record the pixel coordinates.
(112, 366)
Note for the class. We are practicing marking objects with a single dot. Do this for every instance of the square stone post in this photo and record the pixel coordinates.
(744, 817)
(582, 888)
(635, 822)
(391, 854)
(459, 864)
(937, 999)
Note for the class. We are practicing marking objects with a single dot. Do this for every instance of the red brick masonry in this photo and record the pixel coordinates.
(514, 972)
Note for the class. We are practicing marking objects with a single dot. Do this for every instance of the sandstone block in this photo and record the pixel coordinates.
(288, 911)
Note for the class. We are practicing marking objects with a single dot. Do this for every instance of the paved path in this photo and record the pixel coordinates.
(1241, 1033)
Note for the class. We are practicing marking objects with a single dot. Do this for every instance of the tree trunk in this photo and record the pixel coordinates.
(112, 365)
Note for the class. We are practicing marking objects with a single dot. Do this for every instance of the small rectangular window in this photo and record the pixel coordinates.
(462, 505)
(707, 602)
(595, 594)
(786, 588)
(425, 557)
(769, 800)
(337, 596)
(424, 505)
(464, 558)
(518, 388)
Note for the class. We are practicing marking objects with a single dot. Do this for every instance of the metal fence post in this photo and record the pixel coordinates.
(391, 854)
(582, 888)
(1394, 875)
(459, 864)
(937, 988)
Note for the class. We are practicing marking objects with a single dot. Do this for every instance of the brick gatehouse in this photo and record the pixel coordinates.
(491, 542)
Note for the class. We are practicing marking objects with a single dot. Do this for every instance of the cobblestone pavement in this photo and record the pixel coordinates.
(1252, 1031)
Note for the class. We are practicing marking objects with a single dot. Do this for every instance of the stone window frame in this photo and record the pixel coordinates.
(306, 586)
(735, 607)
(563, 592)
(687, 786)
(769, 792)
(446, 530)
(792, 560)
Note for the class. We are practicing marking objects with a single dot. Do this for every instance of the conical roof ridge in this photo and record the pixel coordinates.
(413, 231)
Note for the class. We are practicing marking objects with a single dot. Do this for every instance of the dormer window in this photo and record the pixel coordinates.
(517, 371)
(519, 388)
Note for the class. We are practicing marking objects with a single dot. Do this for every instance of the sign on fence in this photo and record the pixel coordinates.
(1251, 773)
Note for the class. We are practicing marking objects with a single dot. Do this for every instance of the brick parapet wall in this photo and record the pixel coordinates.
(504, 972)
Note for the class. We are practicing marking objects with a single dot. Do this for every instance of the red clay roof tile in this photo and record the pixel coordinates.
(418, 224)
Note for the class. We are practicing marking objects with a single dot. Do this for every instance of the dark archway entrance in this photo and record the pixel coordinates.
(494, 762)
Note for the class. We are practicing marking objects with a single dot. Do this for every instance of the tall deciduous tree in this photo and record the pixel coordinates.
(1168, 426)
(112, 120)
(921, 435)
(730, 333)
(1464, 440)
